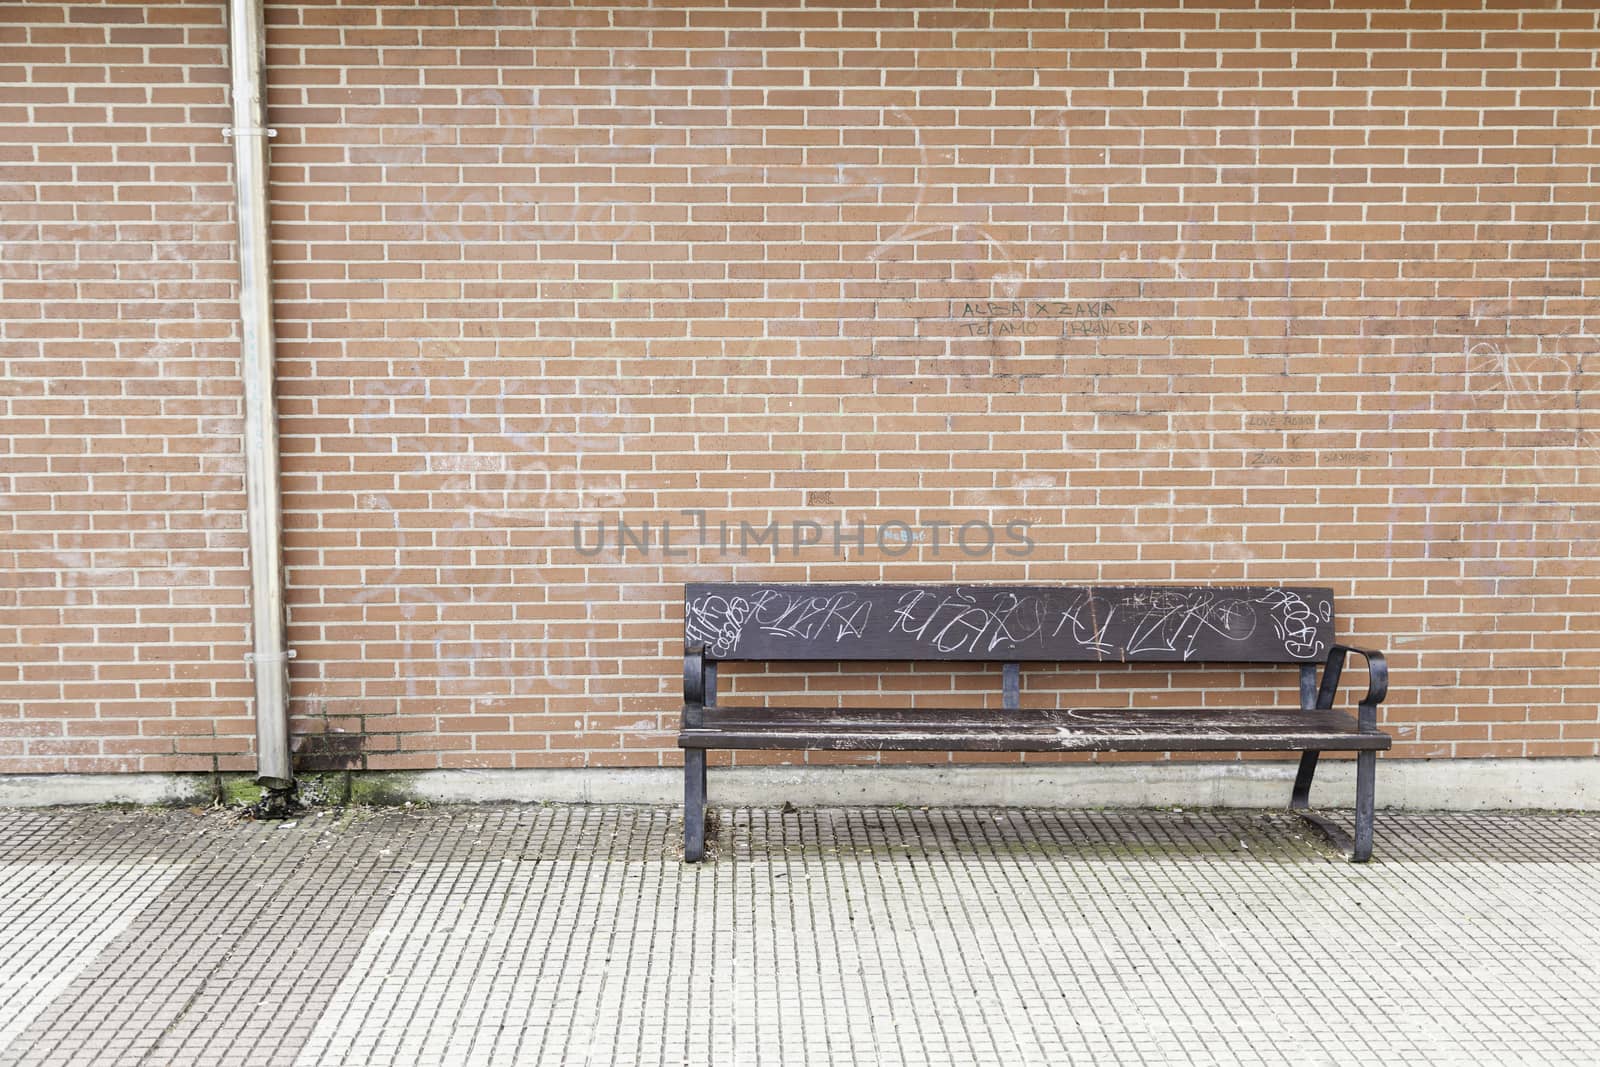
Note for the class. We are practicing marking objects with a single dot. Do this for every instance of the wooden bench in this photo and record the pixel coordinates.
(1011, 625)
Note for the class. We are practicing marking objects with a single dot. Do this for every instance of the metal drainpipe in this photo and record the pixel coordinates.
(270, 656)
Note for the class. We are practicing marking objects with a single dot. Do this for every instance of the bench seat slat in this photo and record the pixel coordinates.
(1031, 730)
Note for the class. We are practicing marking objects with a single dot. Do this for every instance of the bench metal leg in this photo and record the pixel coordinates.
(1366, 793)
(1300, 799)
(694, 804)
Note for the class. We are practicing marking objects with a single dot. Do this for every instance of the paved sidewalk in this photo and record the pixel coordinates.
(567, 935)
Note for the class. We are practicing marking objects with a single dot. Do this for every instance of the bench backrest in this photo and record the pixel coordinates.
(1009, 623)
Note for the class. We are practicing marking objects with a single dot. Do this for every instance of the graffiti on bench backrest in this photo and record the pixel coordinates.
(977, 622)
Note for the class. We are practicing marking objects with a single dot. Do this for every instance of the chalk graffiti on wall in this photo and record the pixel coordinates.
(516, 479)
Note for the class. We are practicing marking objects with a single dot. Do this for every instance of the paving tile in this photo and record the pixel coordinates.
(518, 935)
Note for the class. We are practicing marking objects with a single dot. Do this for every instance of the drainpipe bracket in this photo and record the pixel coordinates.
(248, 131)
(270, 657)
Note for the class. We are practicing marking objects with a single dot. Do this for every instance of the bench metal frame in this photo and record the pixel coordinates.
(775, 637)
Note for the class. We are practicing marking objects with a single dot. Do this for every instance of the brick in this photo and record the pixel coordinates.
(707, 258)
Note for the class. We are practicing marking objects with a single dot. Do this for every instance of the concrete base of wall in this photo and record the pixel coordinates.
(49, 790)
(1423, 785)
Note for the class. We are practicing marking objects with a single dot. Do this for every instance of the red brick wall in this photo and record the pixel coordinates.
(123, 587)
(1320, 307)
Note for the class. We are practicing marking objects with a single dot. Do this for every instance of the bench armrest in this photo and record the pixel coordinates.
(694, 684)
(1377, 682)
